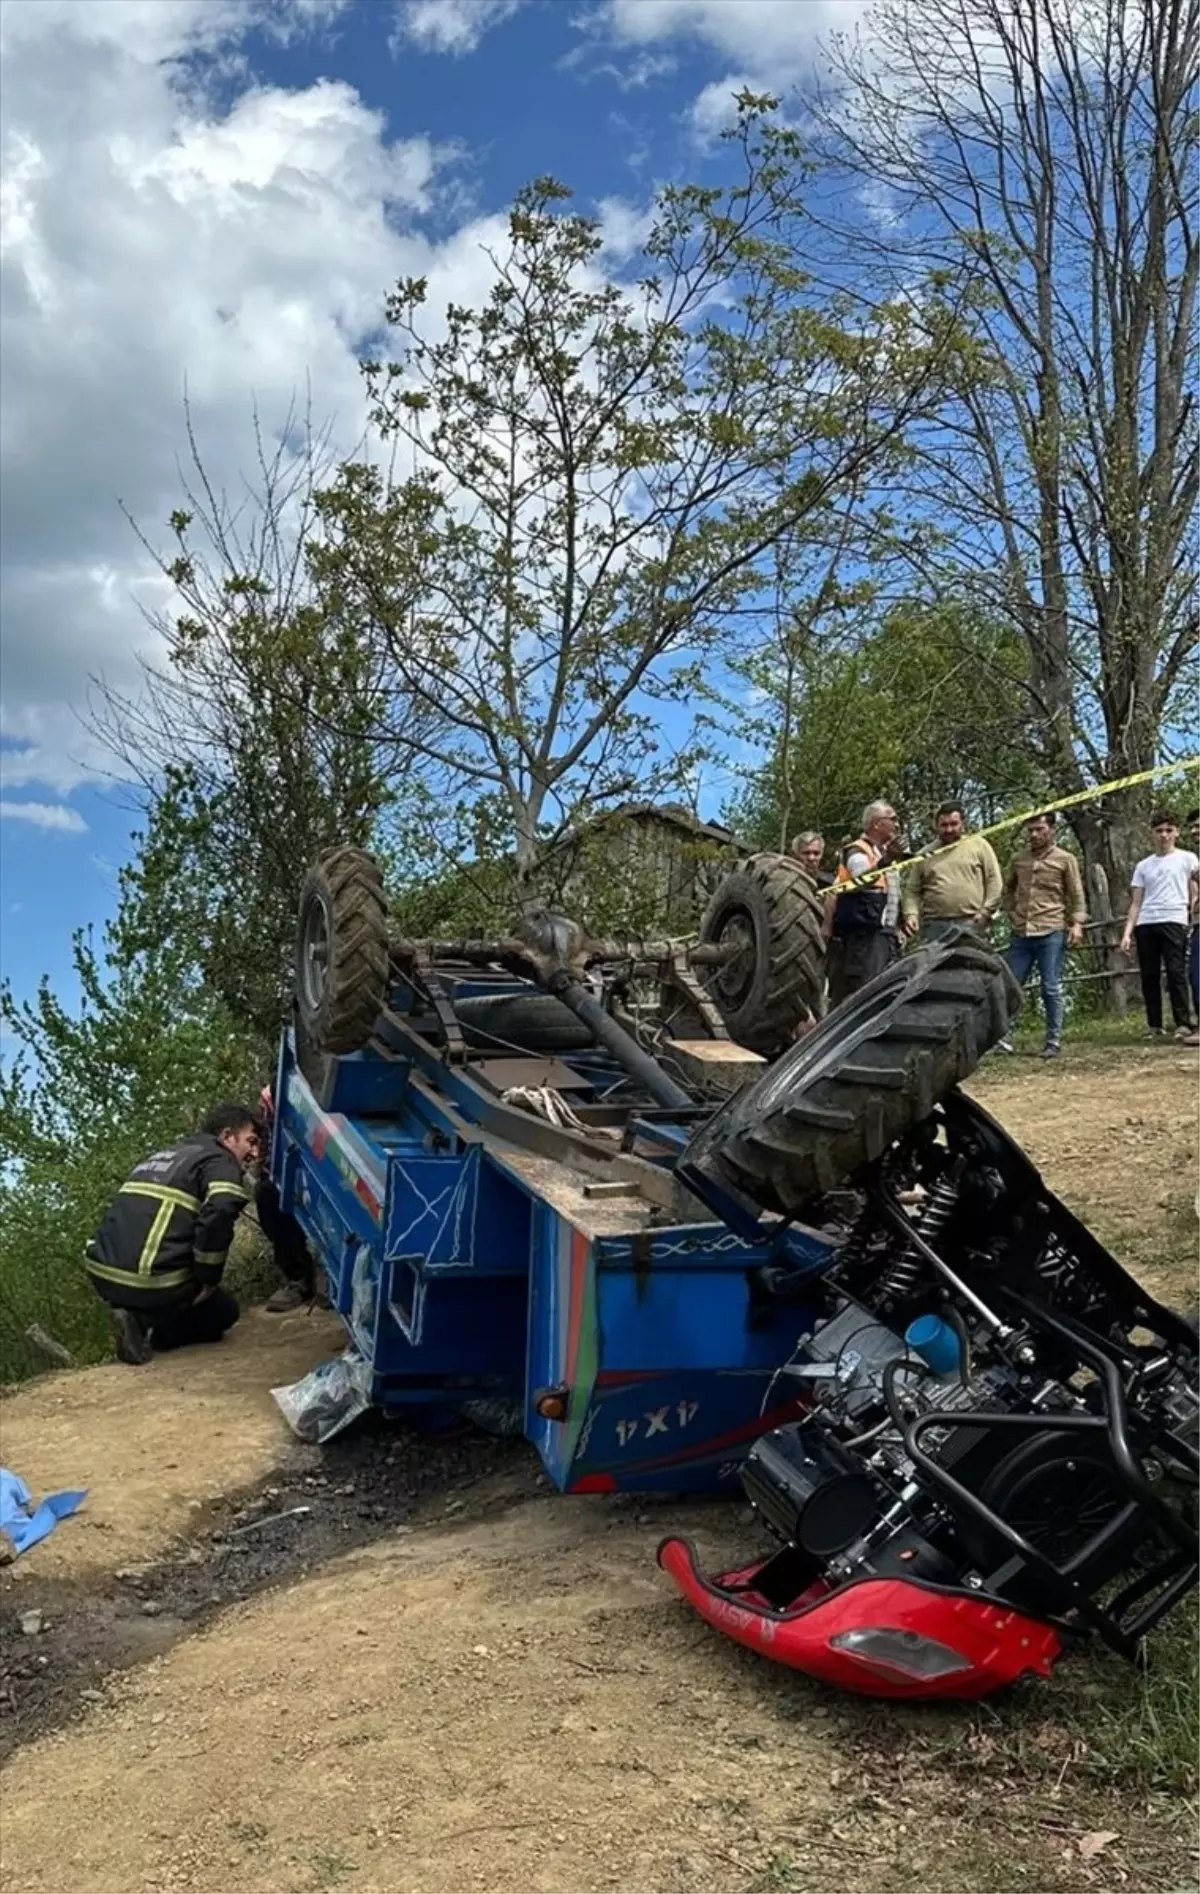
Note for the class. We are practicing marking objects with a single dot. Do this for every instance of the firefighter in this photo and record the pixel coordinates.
(158, 1256)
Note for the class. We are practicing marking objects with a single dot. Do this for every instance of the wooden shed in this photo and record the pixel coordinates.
(642, 867)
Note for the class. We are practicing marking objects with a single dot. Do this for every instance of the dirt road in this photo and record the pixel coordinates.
(1116, 1138)
(492, 1689)
(155, 1448)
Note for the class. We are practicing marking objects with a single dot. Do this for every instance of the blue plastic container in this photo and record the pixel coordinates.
(936, 1342)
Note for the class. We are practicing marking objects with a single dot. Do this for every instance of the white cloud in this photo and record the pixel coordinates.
(624, 227)
(44, 815)
(154, 241)
(777, 45)
(47, 745)
(632, 72)
(448, 26)
(715, 107)
(149, 241)
(153, 30)
(768, 45)
(768, 36)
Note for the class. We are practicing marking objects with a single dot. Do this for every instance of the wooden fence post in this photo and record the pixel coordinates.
(1107, 931)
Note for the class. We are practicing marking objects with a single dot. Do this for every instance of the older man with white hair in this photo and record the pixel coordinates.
(808, 848)
(862, 924)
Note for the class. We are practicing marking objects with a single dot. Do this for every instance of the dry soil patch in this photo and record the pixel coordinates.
(508, 1696)
(155, 1445)
(1116, 1138)
(521, 1706)
(517, 1706)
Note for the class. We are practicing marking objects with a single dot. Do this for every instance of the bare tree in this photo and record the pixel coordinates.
(252, 741)
(1036, 160)
(601, 471)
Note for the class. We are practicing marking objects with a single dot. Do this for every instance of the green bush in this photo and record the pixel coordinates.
(89, 1092)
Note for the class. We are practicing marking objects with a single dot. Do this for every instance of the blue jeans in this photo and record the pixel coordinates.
(1045, 952)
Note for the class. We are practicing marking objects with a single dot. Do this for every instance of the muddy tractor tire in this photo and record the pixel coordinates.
(871, 1071)
(530, 1022)
(771, 910)
(341, 951)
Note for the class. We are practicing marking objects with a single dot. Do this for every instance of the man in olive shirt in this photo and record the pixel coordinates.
(1043, 898)
(958, 886)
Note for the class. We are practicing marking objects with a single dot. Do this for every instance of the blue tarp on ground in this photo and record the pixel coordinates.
(23, 1526)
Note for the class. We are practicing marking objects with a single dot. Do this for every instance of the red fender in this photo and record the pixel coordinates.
(993, 1644)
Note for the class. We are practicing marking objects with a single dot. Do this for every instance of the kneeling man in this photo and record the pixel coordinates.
(158, 1257)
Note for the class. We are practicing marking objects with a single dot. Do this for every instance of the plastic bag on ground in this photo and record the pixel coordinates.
(327, 1399)
(22, 1524)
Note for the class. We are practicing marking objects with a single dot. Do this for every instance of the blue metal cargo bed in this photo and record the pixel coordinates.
(581, 1286)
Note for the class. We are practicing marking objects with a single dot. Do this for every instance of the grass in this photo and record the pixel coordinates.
(1102, 1032)
(1160, 1248)
(1148, 1737)
(998, 1795)
(250, 1273)
(254, 1835)
(1099, 1721)
(330, 1866)
(59, 1300)
(988, 1866)
(1102, 1721)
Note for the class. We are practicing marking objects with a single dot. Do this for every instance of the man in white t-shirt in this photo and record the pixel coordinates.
(1163, 887)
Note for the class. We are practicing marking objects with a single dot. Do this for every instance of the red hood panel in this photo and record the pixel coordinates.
(999, 1644)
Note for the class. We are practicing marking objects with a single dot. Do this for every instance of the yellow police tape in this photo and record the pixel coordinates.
(1015, 821)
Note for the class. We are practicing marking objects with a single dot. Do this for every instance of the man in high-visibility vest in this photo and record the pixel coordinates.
(159, 1254)
(862, 924)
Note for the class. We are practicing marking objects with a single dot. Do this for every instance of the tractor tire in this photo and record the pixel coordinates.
(530, 1022)
(772, 908)
(871, 1071)
(341, 951)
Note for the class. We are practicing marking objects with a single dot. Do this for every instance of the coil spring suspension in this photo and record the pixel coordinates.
(854, 1249)
(939, 1208)
(904, 1276)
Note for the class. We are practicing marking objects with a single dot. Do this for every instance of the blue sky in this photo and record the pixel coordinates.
(216, 194)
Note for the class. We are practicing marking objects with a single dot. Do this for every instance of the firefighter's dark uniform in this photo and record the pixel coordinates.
(165, 1237)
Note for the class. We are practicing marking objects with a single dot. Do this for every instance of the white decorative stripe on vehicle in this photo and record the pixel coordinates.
(329, 1135)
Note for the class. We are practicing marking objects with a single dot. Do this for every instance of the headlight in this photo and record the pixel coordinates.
(885, 1648)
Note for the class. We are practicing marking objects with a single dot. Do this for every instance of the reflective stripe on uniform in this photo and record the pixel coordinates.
(222, 1189)
(157, 1231)
(166, 1279)
(211, 1259)
(161, 1193)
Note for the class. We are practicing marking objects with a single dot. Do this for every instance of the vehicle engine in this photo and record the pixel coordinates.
(990, 1410)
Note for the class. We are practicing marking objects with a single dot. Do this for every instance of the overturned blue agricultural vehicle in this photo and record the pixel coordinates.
(481, 1141)
(645, 1202)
